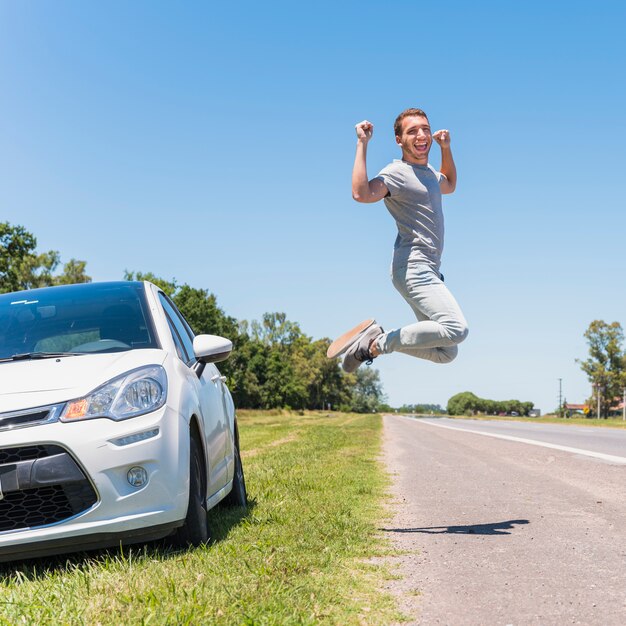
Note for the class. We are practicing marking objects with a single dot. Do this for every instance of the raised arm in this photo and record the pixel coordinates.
(448, 168)
(364, 190)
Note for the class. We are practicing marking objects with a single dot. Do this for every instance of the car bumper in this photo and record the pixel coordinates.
(92, 457)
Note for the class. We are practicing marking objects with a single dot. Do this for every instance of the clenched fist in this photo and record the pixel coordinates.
(364, 130)
(442, 137)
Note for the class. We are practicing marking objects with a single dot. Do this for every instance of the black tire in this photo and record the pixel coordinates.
(238, 495)
(195, 530)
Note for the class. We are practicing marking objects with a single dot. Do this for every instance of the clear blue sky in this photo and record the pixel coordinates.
(213, 143)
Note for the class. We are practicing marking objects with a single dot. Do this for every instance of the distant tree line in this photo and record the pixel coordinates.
(422, 409)
(466, 403)
(273, 365)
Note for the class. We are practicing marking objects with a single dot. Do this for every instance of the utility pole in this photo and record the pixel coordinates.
(560, 398)
(624, 405)
(598, 388)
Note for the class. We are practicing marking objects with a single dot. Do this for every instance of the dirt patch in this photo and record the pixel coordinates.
(279, 442)
(401, 565)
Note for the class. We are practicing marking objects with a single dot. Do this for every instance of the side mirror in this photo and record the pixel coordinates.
(211, 348)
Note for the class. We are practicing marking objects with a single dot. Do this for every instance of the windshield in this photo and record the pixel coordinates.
(87, 318)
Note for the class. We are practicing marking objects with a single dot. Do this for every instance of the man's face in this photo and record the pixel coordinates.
(415, 139)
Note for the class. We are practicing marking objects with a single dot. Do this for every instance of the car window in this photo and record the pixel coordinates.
(181, 328)
(180, 350)
(181, 317)
(87, 318)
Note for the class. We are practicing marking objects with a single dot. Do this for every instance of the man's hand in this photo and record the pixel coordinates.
(448, 169)
(364, 131)
(442, 137)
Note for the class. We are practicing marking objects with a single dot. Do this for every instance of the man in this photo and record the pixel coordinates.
(411, 189)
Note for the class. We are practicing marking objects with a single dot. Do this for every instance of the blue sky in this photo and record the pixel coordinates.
(214, 144)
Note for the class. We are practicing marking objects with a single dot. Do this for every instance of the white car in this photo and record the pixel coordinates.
(115, 424)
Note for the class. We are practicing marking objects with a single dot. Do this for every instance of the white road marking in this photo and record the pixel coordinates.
(619, 460)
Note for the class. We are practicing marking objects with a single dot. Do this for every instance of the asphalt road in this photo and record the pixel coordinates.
(502, 532)
(588, 440)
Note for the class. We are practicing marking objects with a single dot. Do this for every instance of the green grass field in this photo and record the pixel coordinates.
(304, 553)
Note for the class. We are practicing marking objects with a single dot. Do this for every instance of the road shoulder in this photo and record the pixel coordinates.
(498, 532)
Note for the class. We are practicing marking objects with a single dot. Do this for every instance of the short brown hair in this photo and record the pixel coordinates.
(397, 126)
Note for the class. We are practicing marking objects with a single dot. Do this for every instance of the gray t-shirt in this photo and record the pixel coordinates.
(414, 201)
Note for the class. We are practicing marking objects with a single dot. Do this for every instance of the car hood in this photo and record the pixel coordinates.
(26, 384)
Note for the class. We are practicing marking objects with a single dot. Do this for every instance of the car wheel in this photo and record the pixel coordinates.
(238, 496)
(195, 530)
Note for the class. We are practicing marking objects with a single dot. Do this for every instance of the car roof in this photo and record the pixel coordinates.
(78, 287)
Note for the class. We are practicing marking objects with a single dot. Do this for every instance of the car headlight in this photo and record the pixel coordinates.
(134, 393)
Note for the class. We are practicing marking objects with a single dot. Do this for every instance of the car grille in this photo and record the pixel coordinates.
(30, 417)
(45, 504)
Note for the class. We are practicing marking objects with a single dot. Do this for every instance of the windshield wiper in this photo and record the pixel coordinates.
(27, 356)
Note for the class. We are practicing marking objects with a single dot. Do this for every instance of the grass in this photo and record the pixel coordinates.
(304, 553)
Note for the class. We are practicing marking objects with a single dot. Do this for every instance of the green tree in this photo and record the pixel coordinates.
(73, 273)
(277, 365)
(324, 381)
(491, 407)
(606, 365)
(21, 267)
(290, 371)
(204, 316)
(36, 270)
(275, 330)
(168, 286)
(467, 403)
(464, 403)
(16, 246)
(367, 394)
(329, 385)
(246, 372)
(421, 409)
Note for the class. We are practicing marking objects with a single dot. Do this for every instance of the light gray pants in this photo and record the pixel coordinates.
(441, 324)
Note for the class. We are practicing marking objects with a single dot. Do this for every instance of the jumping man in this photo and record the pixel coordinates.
(411, 189)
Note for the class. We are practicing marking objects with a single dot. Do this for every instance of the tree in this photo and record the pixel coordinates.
(367, 394)
(464, 403)
(16, 246)
(201, 311)
(421, 409)
(606, 365)
(324, 381)
(467, 403)
(524, 408)
(73, 273)
(168, 286)
(246, 372)
(294, 369)
(22, 268)
(275, 330)
(275, 365)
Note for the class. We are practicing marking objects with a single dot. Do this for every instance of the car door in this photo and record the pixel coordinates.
(210, 389)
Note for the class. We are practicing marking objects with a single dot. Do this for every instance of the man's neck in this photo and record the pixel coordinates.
(407, 158)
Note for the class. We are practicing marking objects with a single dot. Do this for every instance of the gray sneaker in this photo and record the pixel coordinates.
(359, 351)
(341, 344)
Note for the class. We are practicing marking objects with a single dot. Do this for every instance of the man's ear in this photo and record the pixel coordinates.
(398, 140)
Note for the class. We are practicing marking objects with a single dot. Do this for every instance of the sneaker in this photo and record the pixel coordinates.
(341, 344)
(359, 351)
